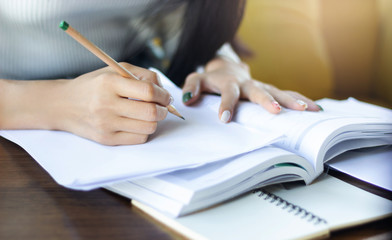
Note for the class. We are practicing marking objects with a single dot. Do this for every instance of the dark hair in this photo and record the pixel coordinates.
(208, 24)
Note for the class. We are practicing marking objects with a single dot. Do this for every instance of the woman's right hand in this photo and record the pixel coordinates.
(100, 105)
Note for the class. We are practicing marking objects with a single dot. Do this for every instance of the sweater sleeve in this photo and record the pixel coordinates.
(227, 52)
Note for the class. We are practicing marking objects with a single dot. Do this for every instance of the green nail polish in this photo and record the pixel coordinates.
(321, 109)
(186, 97)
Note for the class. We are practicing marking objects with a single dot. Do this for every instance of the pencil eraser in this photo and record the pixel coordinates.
(64, 25)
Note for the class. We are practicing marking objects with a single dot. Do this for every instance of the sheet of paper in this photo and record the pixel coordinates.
(373, 166)
(79, 163)
(354, 107)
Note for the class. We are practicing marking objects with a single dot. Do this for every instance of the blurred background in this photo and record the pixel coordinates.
(322, 48)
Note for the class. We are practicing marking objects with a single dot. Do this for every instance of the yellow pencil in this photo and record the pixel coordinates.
(106, 58)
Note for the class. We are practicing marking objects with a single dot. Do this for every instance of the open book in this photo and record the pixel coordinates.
(311, 139)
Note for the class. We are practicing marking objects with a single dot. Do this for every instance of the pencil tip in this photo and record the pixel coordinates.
(64, 25)
(174, 111)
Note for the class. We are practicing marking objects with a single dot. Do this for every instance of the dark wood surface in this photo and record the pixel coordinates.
(33, 206)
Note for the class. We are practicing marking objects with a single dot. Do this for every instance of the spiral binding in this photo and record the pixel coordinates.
(291, 208)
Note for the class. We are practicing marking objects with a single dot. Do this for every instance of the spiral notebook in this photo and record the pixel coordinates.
(290, 211)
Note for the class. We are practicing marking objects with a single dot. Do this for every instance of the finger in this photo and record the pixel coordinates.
(138, 110)
(257, 92)
(145, 75)
(191, 88)
(287, 100)
(312, 106)
(230, 95)
(142, 90)
(142, 74)
(134, 126)
(123, 138)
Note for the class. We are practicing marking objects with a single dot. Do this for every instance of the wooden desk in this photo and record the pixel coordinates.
(33, 206)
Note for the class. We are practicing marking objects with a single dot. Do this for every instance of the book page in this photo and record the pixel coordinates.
(353, 107)
(312, 134)
(177, 205)
(196, 183)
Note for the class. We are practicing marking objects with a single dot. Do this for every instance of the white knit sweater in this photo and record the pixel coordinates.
(32, 46)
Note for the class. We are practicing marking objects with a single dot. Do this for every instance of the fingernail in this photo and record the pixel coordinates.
(186, 97)
(321, 109)
(225, 116)
(159, 80)
(171, 99)
(276, 105)
(302, 103)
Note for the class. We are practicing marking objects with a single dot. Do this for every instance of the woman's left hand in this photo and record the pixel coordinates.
(233, 81)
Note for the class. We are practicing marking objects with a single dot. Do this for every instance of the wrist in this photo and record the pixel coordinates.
(226, 52)
(30, 104)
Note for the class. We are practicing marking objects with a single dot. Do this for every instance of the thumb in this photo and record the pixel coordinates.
(191, 88)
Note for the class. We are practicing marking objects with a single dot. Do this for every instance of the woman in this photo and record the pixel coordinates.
(90, 100)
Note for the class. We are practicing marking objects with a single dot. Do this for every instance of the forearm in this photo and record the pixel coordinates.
(97, 105)
(30, 104)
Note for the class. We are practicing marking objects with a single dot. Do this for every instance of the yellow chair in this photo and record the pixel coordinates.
(322, 48)
(383, 78)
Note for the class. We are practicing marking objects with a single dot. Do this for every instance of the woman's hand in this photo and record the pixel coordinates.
(233, 81)
(99, 105)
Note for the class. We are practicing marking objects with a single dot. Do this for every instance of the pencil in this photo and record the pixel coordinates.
(106, 58)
